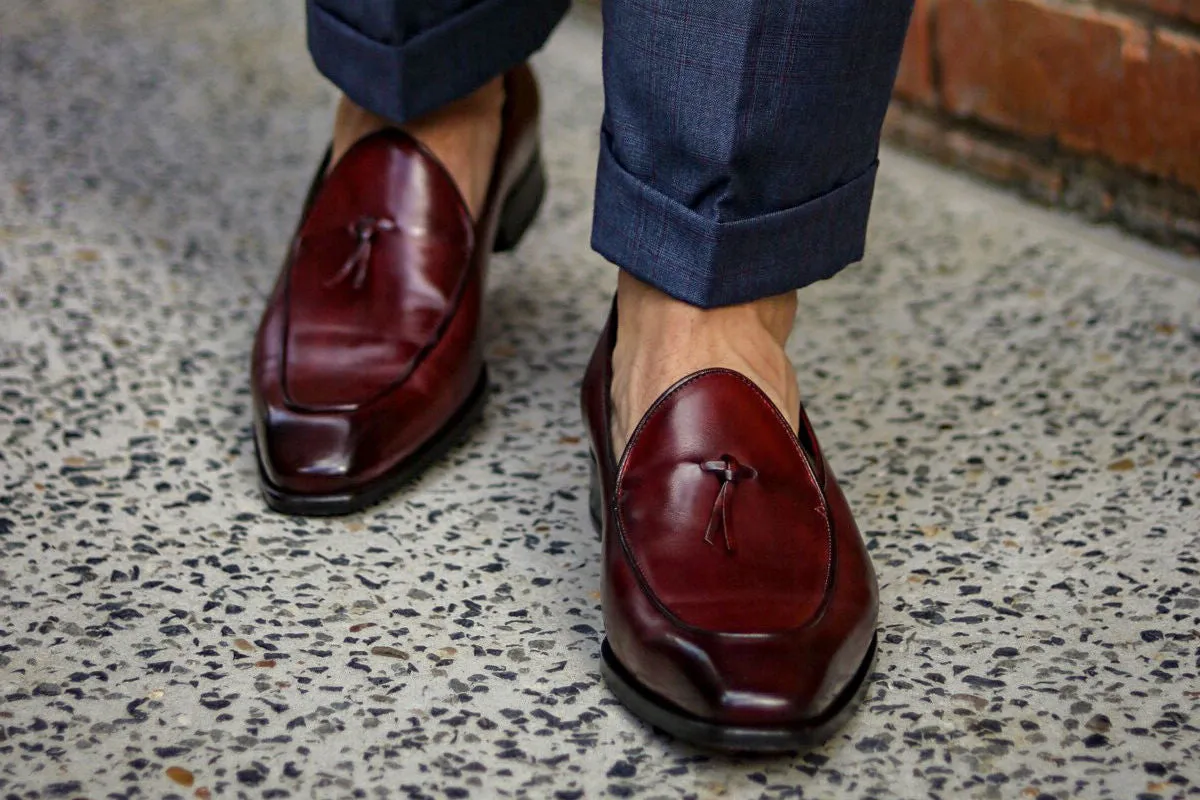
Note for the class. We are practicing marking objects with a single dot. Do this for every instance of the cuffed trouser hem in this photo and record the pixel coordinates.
(404, 81)
(709, 263)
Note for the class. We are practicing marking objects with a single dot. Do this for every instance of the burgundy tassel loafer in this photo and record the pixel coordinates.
(739, 600)
(368, 364)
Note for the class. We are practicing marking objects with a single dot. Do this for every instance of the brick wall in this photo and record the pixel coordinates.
(1093, 106)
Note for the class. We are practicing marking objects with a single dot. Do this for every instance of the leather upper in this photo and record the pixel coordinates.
(376, 271)
(369, 343)
(735, 582)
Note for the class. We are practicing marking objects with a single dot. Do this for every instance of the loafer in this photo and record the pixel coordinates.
(367, 364)
(739, 599)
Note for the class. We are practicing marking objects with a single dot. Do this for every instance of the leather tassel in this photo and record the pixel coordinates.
(729, 471)
(364, 231)
(720, 516)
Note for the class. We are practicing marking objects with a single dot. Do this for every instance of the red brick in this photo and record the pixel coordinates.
(1095, 82)
(915, 79)
(1178, 9)
(1174, 100)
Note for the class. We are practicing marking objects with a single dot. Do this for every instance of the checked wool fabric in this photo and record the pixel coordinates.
(739, 140)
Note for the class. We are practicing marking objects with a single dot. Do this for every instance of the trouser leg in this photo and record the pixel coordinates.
(404, 58)
(739, 142)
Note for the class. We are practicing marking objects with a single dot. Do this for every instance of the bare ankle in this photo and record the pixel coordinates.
(660, 340)
(642, 306)
(463, 134)
(352, 122)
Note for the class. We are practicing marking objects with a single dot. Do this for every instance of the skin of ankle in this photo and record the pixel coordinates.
(661, 339)
(463, 134)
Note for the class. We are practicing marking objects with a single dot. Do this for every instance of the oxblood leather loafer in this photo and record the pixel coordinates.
(368, 364)
(739, 600)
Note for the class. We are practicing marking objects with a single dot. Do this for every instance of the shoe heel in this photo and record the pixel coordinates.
(521, 206)
(596, 499)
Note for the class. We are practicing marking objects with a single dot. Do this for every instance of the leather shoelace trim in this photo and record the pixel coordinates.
(729, 470)
(364, 230)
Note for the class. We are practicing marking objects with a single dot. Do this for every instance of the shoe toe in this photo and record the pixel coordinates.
(308, 453)
(738, 681)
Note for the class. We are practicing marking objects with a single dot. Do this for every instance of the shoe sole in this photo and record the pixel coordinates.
(516, 216)
(521, 205)
(687, 727)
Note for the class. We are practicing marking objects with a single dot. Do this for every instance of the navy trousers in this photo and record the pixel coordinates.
(740, 137)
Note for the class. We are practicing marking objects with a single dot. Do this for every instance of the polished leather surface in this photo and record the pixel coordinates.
(735, 582)
(369, 343)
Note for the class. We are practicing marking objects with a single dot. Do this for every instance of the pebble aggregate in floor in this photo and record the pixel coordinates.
(1011, 403)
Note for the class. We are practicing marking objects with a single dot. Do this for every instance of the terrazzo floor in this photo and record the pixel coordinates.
(1010, 400)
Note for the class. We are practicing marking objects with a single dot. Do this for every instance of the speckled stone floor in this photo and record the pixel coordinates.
(1010, 400)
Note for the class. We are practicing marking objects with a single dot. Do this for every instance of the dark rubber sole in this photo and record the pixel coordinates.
(687, 727)
(521, 205)
(334, 505)
(519, 210)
